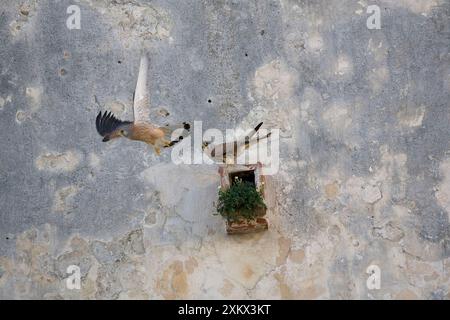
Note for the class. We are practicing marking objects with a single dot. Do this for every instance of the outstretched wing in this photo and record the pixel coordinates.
(141, 103)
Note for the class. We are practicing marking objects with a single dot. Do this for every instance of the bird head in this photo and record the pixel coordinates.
(205, 144)
(109, 127)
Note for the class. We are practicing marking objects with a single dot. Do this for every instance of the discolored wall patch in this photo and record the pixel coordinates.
(66, 161)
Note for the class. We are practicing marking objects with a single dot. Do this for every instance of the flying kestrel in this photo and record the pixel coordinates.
(141, 129)
(232, 150)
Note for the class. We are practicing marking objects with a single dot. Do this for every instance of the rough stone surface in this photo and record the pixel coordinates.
(364, 165)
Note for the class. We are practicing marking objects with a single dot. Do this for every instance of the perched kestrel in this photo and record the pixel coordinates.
(231, 150)
(141, 129)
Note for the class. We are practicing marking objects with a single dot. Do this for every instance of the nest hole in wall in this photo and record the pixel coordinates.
(247, 176)
(251, 174)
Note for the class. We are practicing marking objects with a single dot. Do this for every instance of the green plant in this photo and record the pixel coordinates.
(240, 201)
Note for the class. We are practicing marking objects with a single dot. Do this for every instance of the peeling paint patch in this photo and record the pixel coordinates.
(273, 80)
(116, 107)
(34, 96)
(63, 199)
(371, 193)
(390, 231)
(25, 10)
(135, 21)
(343, 66)
(357, 192)
(58, 162)
(15, 27)
(411, 117)
(4, 101)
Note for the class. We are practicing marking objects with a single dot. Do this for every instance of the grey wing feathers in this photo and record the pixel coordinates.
(141, 105)
(236, 147)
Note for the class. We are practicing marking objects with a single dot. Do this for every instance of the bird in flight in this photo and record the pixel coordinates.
(141, 129)
(222, 152)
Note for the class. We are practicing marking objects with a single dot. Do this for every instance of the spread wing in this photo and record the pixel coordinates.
(141, 105)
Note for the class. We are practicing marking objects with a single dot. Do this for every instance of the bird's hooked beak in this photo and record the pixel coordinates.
(106, 139)
(205, 145)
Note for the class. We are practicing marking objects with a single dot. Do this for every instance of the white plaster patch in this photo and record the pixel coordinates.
(315, 43)
(371, 194)
(34, 95)
(411, 117)
(389, 231)
(58, 162)
(116, 107)
(4, 101)
(94, 160)
(343, 66)
(15, 27)
(273, 91)
(274, 81)
(63, 198)
(186, 197)
(247, 260)
(135, 21)
(357, 191)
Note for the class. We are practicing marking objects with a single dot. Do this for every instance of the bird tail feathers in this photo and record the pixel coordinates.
(253, 132)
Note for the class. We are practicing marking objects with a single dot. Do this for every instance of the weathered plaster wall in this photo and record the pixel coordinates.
(365, 148)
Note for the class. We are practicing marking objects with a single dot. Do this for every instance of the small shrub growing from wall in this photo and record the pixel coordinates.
(241, 201)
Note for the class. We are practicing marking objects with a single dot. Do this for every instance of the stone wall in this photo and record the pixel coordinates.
(364, 148)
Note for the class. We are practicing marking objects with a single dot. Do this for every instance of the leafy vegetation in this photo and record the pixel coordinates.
(240, 201)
